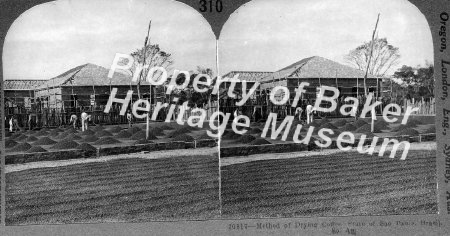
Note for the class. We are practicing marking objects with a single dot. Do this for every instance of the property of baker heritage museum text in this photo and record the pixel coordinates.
(149, 117)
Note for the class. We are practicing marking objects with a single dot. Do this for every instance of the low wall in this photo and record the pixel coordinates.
(258, 149)
(75, 153)
(151, 147)
(294, 147)
(47, 156)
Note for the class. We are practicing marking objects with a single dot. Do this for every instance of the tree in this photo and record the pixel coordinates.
(210, 73)
(153, 56)
(384, 56)
(189, 93)
(416, 82)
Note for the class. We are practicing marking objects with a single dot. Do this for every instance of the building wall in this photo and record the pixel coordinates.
(52, 96)
(101, 93)
(68, 97)
(18, 96)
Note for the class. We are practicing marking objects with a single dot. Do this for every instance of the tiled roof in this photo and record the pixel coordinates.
(250, 76)
(88, 75)
(22, 84)
(316, 67)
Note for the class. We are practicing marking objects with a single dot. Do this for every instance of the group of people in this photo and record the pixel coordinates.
(13, 123)
(310, 110)
(85, 118)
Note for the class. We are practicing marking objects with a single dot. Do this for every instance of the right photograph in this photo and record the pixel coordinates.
(331, 110)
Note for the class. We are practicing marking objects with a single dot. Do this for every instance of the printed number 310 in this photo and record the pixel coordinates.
(205, 5)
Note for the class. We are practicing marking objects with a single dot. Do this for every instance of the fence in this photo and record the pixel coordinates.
(59, 117)
(426, 106)
(263, 108)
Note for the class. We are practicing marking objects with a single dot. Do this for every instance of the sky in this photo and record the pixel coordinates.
(267, 35)
(52, 38)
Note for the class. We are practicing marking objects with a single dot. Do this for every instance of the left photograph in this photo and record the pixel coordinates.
(110, 114)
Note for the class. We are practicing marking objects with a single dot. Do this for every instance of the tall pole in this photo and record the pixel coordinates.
(357, 87)
(371, 52)
(147, 130)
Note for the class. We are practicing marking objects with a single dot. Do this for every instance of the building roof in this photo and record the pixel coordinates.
(316, 67)
(250, 76)
(18, 84)
(88, 75)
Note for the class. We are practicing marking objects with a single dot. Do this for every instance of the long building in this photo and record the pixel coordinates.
(317, 71)
(19, 94)
(85, 87)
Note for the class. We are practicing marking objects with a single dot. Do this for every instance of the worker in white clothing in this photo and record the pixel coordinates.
(85, 121)
(11, 124)
(309, 114)
(129, 118)
(299, 111)
(73, 120)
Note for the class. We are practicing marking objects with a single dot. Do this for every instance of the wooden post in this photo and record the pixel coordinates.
(370, 57)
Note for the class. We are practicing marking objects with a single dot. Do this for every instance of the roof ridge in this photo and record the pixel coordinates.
(300, 62)
(77, 68)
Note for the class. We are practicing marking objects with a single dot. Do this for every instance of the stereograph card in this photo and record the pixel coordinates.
(225, 117)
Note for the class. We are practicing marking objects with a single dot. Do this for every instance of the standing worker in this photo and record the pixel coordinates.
(11, 124)
(129, 118)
